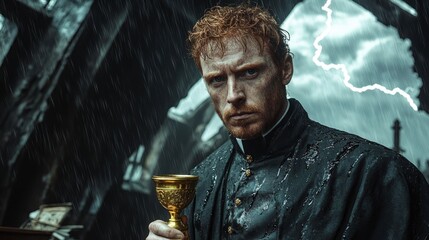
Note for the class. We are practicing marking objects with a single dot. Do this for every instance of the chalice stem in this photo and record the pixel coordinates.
(176, 222)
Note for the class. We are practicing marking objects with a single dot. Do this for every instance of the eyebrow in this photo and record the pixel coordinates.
(250, 65)
(240, 66)
(212, 74)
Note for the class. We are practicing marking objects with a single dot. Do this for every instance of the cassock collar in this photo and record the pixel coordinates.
(280, 139)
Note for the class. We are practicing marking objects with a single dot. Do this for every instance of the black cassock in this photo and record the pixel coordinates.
(307, 181)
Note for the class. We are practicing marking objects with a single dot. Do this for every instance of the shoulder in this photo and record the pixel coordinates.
(367, 166)
(352, 152)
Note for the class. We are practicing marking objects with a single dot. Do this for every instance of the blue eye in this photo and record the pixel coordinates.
(217, 81)
(250, 73)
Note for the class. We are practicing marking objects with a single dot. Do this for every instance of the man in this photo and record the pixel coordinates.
(282, 175)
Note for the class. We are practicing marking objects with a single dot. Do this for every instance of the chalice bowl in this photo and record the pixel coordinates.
(175, 192)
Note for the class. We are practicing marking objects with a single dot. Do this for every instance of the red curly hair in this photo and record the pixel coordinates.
(238, 22)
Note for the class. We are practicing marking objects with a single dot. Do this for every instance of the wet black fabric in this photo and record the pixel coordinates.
(308, 181)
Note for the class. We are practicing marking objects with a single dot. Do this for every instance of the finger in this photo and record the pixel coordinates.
(160, 228)
(152, 236)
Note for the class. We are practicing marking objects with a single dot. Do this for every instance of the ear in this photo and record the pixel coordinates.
(287, 70)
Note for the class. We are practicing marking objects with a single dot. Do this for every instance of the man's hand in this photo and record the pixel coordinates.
(159, 230)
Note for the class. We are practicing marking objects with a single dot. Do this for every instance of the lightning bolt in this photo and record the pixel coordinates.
(343, 69)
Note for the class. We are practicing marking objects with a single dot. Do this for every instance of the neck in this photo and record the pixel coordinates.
(279, 119)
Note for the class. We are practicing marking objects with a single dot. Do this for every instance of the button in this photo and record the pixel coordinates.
(237, 202)
(230, 230)
(248, 172)
(249, 158)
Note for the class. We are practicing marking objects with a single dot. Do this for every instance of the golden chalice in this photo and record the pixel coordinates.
(175, 192)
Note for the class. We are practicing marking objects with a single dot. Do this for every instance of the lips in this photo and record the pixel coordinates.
(240, 116)
(238, 119)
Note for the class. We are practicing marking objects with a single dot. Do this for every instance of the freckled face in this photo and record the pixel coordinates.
(246, 87)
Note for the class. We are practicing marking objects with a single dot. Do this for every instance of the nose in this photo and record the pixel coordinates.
(236, 94)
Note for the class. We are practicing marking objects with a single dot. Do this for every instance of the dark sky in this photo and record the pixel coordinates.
(371, 53)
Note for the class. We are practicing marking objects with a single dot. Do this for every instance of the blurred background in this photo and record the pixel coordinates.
(96, 97)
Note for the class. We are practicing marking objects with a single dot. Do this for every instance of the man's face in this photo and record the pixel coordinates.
(246, 87)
